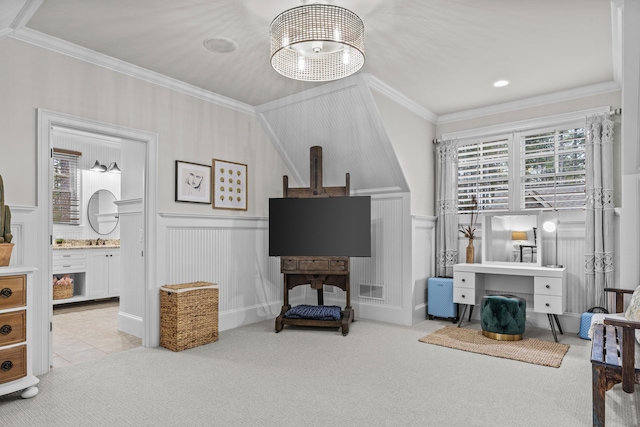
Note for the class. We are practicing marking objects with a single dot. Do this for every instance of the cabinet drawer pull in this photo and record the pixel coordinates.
(547, 304)
(463, 296)
(547, 286)
(66, 266)
(464, 280)
(66, 256)
(6, 365)
(5, 329)
(6, 293)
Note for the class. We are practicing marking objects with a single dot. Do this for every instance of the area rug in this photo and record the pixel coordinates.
(530, 350)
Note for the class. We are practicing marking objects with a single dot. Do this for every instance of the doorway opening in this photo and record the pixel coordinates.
(136, 217)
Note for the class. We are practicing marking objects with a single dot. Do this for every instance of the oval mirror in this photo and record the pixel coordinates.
(102, 212)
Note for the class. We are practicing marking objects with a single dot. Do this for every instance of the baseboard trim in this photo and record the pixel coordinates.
(130, 324)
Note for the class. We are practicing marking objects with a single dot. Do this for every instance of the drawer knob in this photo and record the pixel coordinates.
(6, 293)
(5, 329)
(547, 304)
(463, 296)
(6, 365)
(464, 280)
(547, 286)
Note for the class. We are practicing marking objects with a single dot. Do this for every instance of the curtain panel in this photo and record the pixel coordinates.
(447, 210)
(600, 215)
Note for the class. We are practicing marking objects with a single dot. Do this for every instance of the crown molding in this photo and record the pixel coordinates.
(386, 90)
(535, 101)
(18, 12)
(54, 44)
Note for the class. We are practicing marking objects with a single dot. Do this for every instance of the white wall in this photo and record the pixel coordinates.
(189, 129)
(411, 138)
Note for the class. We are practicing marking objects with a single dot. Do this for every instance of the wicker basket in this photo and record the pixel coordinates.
(62, 291)
(188, 315)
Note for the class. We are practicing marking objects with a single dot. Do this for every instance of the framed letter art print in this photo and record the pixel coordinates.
(193, 182)
(229, 185)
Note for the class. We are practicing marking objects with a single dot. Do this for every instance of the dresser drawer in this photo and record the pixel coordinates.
(313, 265)
(464, 296)
(13, 363)
(547, 304)
(13, 291)
(547, 285)
(13, 327)
(464, 280)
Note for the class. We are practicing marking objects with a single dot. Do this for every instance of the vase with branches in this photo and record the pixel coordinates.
(469, 231)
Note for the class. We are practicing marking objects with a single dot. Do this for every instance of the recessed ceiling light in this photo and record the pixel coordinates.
(220, 45)
(500, 83)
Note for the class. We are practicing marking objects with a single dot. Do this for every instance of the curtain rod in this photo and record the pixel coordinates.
(614, 112)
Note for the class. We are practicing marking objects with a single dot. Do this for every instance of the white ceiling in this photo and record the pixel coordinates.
(441, 54)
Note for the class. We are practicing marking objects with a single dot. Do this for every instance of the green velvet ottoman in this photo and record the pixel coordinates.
(503, 317)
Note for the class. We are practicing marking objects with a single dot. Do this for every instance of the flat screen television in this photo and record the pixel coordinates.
(328, 226)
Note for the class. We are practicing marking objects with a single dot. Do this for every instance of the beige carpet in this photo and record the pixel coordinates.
(530, 350)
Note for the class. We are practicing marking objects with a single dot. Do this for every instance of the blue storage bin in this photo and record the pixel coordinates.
(440, 298)
(585, 321)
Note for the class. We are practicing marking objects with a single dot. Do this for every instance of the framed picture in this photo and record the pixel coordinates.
(229, 185)
(193, 182)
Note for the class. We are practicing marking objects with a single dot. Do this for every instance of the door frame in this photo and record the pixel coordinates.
(43, 295)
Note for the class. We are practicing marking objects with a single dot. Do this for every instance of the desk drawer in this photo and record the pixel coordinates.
(289, 264)
(338, 265)
(548, 304)
(464, 280)
(13, 363)
(547, 285)
(464, 295)
(13, 291)
(13, 327)
(313, 265)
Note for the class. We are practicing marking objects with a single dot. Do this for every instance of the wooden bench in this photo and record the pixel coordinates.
(613, 357)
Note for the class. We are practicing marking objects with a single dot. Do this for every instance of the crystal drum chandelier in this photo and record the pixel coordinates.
(317, 43)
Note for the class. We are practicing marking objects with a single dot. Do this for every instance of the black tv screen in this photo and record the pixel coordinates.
(328, 226)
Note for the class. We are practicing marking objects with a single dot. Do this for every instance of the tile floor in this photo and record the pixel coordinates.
(85, 331)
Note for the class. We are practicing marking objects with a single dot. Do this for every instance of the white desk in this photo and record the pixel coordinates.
(547, 284)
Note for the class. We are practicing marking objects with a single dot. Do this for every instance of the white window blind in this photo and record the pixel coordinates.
(552, 173)
(483, 172)
(66, 187)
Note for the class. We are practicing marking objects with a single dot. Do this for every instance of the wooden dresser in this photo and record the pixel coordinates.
(16, 322)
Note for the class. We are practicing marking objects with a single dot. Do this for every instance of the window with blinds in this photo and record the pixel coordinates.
(552, 173)
(66, 187)
(483, 171)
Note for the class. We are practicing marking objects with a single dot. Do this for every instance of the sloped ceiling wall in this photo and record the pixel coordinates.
(343, 119)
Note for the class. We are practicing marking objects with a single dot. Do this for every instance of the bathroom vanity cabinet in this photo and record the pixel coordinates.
(95, 271)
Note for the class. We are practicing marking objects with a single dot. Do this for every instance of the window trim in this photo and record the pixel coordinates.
(513, 131)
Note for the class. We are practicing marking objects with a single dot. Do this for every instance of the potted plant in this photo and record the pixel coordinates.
(6, 247)
(469, 231)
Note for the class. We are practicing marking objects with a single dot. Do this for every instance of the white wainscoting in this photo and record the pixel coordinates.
(423, 255)
(390, 265)
(229, 251)
(131, 311)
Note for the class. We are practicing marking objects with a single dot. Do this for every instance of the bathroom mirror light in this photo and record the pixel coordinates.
(113, 168)
(98, 167)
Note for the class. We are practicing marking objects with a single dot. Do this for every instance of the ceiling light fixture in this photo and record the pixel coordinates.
(317, 43)
(500, 83)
